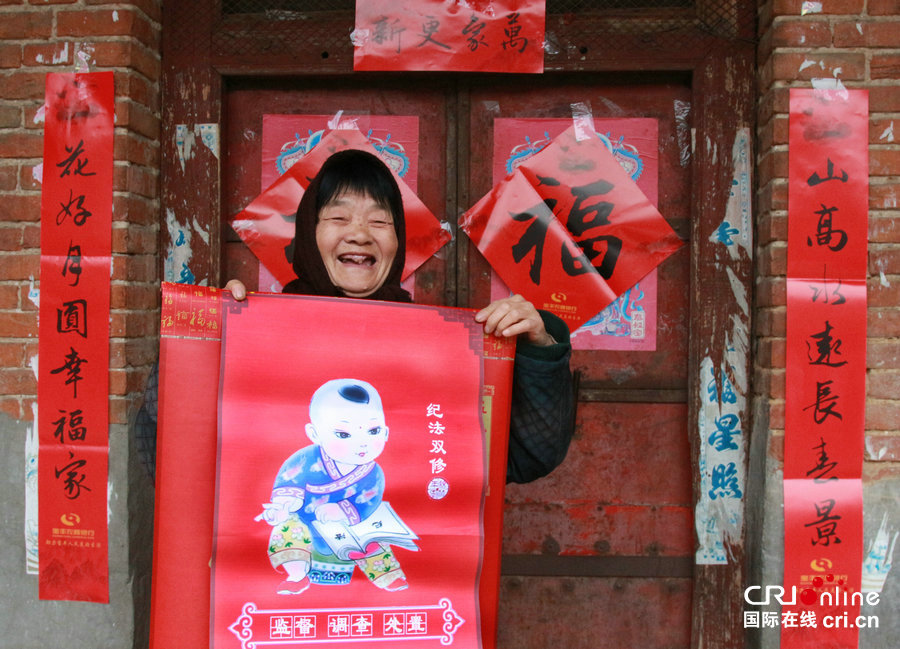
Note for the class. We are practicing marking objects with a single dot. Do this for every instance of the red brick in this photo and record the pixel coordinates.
(884, 258)
(127, 53)
(31, 239)
(26, 25)
(21, 207)
(884, 66)
(20, 266)
(21, 144)
(10, 55)
(883, 195)
(24, 85)
(151, 8)
(27, 181)
(48, 54)
(882, 448)
(51, 2)
(805, 32)
(107, 22)
(772, 228)
(135, 209)
(883, 354)
(134, 239)
(9, 177)
(140, 268)
(16, 324)
(137, 118)
(884, 229)
(9, 297)
(10, 116)
(772, 197)
(135, 296)
(133, 148)
(24, 300)
(875, 33)
(883, 323)
(139, 89)
(12, 354)
(132, 325)
(10, 238)
(881, 295)
(882, 415)
(771, 291)
(883, 7)
(883, 384)
(884, 162)
(831, 8)
(793, 66)
(884, 99)
(143, 181)
(17, 381)
(881, 130)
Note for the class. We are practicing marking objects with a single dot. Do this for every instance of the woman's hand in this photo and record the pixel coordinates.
(237, 288)
(514, 316)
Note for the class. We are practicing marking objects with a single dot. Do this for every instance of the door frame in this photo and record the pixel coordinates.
(199, 55)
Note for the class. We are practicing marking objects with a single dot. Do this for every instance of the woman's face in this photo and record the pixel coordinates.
(357, 242)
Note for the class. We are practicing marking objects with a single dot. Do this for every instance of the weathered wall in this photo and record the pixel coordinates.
(854, 41)
(37, 37)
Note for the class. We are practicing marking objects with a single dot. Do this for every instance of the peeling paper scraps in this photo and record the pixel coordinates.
(877, 563)
(209, 136)
(735, 229)
(888, 133)
(178, 256)
(718, 514)
(810, 7)
(583, 119)
(186, 137)
(34, 294)
(833, 85)
(31, 495)
(84, 53)
(184, 142)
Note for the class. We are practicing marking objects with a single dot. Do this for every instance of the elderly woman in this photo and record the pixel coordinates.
(350, 242)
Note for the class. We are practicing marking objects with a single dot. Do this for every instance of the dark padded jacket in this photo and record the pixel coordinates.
(542, 418)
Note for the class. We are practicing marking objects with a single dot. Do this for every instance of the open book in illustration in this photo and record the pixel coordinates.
(383, 526)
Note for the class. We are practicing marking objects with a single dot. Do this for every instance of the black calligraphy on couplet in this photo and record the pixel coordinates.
(594, 252)
(825, 523)
(73, 476)
(823, 347)
(480, 31)
(72, 315)
(826, 233)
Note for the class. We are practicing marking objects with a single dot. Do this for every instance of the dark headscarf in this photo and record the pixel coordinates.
(349, 171)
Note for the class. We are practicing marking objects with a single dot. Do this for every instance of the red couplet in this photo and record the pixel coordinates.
(73, 380)
(825, 366)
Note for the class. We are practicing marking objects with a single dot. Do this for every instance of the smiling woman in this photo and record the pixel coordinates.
(348, 228)
(357, 241)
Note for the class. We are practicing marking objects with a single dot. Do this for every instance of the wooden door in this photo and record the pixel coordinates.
(610, 531)
(602, 552)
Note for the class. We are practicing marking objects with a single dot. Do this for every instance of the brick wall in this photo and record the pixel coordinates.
(38, 37)
(857, 42)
